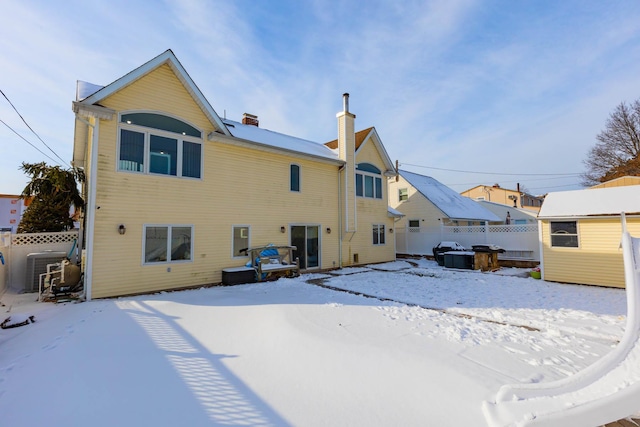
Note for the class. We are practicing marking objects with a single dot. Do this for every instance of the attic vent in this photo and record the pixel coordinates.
(249, 119)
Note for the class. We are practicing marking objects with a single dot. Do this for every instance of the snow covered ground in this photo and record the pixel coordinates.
(298, 352)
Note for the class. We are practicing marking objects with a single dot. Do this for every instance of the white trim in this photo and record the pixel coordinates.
(305, 224)
(170, 59)
(147, 132)
(375, 138)
(384, 233)
(233, 227)
(91, 211)
(565, 247)
(170, 228)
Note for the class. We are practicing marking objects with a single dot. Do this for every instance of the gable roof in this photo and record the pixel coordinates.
(448, 201)
(592, 202)
(370, 134)
(101, 92)
(268, 138)
(360, 137)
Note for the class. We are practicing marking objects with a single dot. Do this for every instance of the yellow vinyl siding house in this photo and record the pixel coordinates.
(174, 192)
(580, 234)
(504, 196)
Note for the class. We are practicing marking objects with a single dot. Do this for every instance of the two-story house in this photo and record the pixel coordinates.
(174, 192)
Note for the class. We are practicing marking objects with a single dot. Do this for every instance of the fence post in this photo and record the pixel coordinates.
(486, 232)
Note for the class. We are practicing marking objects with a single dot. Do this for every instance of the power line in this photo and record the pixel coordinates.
(493, 173)
(520, 181)
(25, 140)
(34, 132)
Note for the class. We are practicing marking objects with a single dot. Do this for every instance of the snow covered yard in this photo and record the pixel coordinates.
(294, 353)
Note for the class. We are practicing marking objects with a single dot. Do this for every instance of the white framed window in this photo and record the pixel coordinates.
(564, 234)
(164, 243)
(403, 194)
(378, 234)
(240, 241)
(153, 143)
(368, 181)
(414, 226)
(294, 177)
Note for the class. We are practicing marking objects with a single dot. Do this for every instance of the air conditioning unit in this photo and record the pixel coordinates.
(36, 265)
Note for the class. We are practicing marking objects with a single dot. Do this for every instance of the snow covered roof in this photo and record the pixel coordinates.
(85, 89)
(591, 202)
(501, 210)
(448, 201)
(278, 140)
(394, 213)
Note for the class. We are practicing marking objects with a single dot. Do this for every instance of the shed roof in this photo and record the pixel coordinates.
(448, 201)
(591, 202)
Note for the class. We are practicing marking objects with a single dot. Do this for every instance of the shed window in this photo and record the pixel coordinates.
(403, 194)
(564, 234)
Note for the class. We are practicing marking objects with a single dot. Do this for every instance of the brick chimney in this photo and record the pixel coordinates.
(249, 119)
(347, 152)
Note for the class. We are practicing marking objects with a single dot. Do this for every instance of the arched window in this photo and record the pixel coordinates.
(368, 181)
(159, 144)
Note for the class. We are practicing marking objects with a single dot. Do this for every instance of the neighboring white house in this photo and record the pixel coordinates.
(11, 209)
(426, 202)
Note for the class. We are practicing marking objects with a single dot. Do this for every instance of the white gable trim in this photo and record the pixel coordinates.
(375, 139)
(165, 58)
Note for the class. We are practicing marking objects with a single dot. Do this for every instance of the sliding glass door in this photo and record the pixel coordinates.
(307, 242)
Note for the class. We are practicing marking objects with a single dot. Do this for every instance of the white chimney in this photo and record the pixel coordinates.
(347, 152)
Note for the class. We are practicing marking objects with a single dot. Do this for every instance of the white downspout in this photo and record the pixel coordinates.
(340, 171)
(90, 207)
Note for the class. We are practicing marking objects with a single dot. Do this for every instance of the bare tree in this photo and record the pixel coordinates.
(616, 152)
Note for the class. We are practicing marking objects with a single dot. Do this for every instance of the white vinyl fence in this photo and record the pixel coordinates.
(16, 247)
(520, 241)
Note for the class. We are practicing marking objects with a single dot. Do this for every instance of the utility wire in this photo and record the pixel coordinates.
(492, 173)
(25, 140)
(34, 132)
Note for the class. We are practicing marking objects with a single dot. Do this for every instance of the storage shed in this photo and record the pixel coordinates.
(580, 234)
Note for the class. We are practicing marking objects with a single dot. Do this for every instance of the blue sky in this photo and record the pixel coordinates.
(512, 89)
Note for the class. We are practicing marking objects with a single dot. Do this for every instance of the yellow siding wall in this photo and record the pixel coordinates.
(238, 186)
(370, 212)
(496, 195)
(598, 260)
